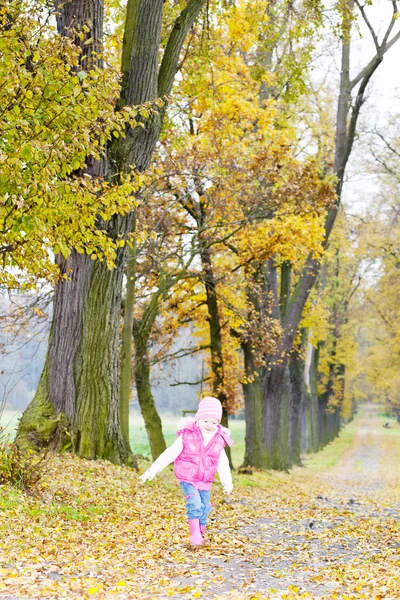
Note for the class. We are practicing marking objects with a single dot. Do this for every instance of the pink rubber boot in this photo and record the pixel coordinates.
(202, 529)
(195, 535)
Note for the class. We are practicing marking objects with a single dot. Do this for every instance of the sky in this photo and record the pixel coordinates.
(383, 101)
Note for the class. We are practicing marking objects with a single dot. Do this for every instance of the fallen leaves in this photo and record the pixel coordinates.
(96, 532)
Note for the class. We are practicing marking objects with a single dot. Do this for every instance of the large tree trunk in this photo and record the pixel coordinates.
(95, 425)
(79, 382)
(78, 387)
(84, 345)
(276, 399)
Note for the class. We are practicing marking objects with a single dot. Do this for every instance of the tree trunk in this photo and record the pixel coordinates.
(328, 415)
(78, 381)
(96, 431)
(150, 415)
(276, 398)
(322, 435)
(84, 345)
(217, 358)
(310, 405)
(252, 393)
(297, 399)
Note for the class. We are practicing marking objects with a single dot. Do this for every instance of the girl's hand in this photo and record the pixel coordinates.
(147, 475)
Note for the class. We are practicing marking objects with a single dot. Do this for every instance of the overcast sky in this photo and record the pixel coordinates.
(383, 102)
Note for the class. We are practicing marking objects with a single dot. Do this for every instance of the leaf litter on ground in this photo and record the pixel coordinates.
(95, 531)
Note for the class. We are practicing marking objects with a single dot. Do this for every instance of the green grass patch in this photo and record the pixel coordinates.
(393, 432)
(237, 453)
(333, 452)
(69, 513)
(248, 481)
(384, 412)
(9, 498)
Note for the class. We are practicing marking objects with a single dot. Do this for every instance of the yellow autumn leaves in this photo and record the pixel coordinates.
(53, 118)
(94, 532)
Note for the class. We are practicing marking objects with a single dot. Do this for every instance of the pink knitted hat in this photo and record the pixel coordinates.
(209, 408)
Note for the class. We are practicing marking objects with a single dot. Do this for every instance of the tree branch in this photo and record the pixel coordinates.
(381, 49)
(190, 382)
(388, 146)
(170, 61)
(357, 107)
(183, 352)
(368, 24)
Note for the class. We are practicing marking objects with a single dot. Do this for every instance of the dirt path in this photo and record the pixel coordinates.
(334, 537)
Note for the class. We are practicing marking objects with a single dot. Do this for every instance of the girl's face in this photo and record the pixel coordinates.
(207, 425)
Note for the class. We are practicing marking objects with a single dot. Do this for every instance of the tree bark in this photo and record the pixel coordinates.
(252, 393)
(150, 415)
(81, 375)
(276, 394)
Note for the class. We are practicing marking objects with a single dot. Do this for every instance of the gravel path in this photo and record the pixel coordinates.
(320, 542)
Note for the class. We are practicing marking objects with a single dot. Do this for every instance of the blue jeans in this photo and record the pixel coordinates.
(197, 502)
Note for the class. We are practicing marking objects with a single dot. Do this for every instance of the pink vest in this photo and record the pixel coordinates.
(197, 464)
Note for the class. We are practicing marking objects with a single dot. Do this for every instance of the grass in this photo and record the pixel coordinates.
(9, 498)
(333, 452)
(9, 421)
(326, 458)
(138, 435)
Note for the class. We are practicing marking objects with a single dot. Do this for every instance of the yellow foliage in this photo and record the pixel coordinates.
(54, 117)
(230, 158)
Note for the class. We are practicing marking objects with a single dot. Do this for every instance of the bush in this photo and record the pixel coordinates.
(22, 469)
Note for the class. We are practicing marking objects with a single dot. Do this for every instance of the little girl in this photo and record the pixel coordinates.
(198, 453)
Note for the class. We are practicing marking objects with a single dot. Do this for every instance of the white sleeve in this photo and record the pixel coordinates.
(224, 472)
(168, 456)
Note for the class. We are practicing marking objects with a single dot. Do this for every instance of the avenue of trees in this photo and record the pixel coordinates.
(185, 166)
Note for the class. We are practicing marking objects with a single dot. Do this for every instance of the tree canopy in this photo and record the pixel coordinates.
(166, 164)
